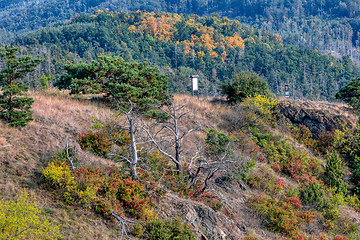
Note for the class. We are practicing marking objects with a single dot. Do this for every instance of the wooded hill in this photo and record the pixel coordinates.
(181, 45)
(329, 26)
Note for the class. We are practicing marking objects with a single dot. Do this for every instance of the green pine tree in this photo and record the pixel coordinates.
(334, 173)
(120, 80)
(14, 108)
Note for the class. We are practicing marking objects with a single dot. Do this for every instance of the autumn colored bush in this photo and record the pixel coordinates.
(22, 219)
(104, 190)
(284, 216)
(297, 164)
(338, 237)
(303, 135)
(266, 181)
(97, 142)
(326, 142)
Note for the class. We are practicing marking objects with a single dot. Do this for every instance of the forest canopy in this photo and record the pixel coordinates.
(181, 45)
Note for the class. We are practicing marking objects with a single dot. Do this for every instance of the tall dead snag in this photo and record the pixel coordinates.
(219, 163)
(130, 128)
(70, 153)
(170, 134)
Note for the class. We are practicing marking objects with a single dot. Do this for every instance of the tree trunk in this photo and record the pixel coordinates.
(134, 150)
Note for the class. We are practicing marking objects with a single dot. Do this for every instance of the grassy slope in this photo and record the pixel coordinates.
(24, 152)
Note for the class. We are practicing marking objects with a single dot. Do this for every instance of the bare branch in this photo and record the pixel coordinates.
(124, 227)
(120, 156)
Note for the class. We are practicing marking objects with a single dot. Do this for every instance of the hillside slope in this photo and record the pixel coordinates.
(27, 151)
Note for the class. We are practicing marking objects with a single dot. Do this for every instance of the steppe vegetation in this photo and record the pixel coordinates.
(290, 187)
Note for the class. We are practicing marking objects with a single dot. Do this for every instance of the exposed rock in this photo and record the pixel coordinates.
(207, 224)
(212, 225)
(319, 117)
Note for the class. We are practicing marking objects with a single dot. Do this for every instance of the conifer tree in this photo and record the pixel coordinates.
(15, 109)
(334, 173)
(351, 93)
(138, 82)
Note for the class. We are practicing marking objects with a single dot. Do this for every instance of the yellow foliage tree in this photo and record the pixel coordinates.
(161, 28)
(214, 54)
(132, 29)
(235, 41)
(22, 220)
(223, 56)
(200, 54)
(208, 42)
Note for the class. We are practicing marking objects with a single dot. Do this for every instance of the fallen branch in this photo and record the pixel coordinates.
(122, 221)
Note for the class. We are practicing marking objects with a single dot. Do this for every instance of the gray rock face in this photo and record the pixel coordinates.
(319, 119)
(207, 224)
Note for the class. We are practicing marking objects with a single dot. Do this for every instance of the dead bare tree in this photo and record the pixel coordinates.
(70, 153)
(217, 163)
(170, 134)
(131, 128)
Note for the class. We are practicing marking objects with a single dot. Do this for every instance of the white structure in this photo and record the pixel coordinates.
(195, 83)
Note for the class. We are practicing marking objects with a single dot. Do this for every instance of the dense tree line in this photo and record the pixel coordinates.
(213, 47)
(329, 26)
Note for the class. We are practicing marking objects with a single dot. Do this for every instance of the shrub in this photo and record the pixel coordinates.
(249, 237)
(22, 220)
(326, 142)
(105, 190)
(170, 230)
(216, 142)
(263, 104)
(313, 193)
(295, 163)
(266, 181)
(303, 135)
(132, 196)
(95, 142)
(284, 216)
(243, 85)
(338, 237)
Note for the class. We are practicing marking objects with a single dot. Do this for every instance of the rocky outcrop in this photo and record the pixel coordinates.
(214, 225)
(319, 117)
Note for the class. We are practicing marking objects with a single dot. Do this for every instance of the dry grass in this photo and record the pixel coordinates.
(202, 111)
(24, 151)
